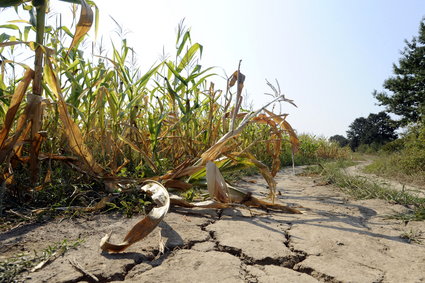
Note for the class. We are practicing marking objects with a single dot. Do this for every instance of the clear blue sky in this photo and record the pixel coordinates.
(328, 55)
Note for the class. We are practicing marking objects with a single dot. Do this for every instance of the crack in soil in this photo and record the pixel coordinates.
(121, 276)
(303, 256)
(318, 275)
(290, 261)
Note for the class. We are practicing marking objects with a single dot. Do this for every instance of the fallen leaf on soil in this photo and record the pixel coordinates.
(161, 198)
(177, 184)
(176, 200)
(226, 194)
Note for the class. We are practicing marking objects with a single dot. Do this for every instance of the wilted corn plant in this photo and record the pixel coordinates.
(123, 128)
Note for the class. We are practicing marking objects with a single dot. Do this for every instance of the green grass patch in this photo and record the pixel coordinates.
(404, 158)
(362, 188)
(405, 167)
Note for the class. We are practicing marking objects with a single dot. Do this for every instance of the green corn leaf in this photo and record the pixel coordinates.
(10, 26)
(187, 58)
(26, 32)
(67, 31)
(4, 37)
(174, 71)
(183, 43)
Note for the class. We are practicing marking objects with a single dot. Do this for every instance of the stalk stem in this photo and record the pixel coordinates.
(38, 62)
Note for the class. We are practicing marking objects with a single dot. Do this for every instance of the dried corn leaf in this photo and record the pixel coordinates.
(183, 169)
(236, 196)
(250, 159)
(237, 76)
(14, 105)
(22, 130)
(277, 144)
(238, 116)
(38, 139)
(287, 127)
(251, 201)
(176, 200)
(217, 187)
(161, 198)
(84, 24)
(71, 130)
(177, 184)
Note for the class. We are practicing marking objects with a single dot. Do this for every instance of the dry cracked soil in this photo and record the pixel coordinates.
(336, 239)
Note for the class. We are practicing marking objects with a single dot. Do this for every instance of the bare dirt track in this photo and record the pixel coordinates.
(337, 239)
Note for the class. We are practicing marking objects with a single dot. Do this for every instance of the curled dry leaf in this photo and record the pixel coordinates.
(84, 24)
(161, 198)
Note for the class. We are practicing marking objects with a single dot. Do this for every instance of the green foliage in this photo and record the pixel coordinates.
(404, 158)
(375, 130)
(313, 150)
(393, 146)
(131, 203)
(340, 140)
(408, 83)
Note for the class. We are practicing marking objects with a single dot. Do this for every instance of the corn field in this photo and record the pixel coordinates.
(105, 119)
(78, 128)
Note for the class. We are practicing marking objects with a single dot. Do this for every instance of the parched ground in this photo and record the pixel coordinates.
(337, 239)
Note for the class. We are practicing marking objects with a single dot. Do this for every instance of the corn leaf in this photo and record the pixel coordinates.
(145, 226)
(287, 127)
(187, 58)
(84, 24)
(71, 130)
(14, 105)
(216, 184)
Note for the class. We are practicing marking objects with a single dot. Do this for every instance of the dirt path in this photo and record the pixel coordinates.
(336, 240)
(357, 171)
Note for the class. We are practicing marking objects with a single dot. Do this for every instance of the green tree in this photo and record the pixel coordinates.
(408, 83)
(375, 129)
(340, 140)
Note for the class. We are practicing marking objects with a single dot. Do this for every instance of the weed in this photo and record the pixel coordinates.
(412, 236)
(131, 203)
(15, 265)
